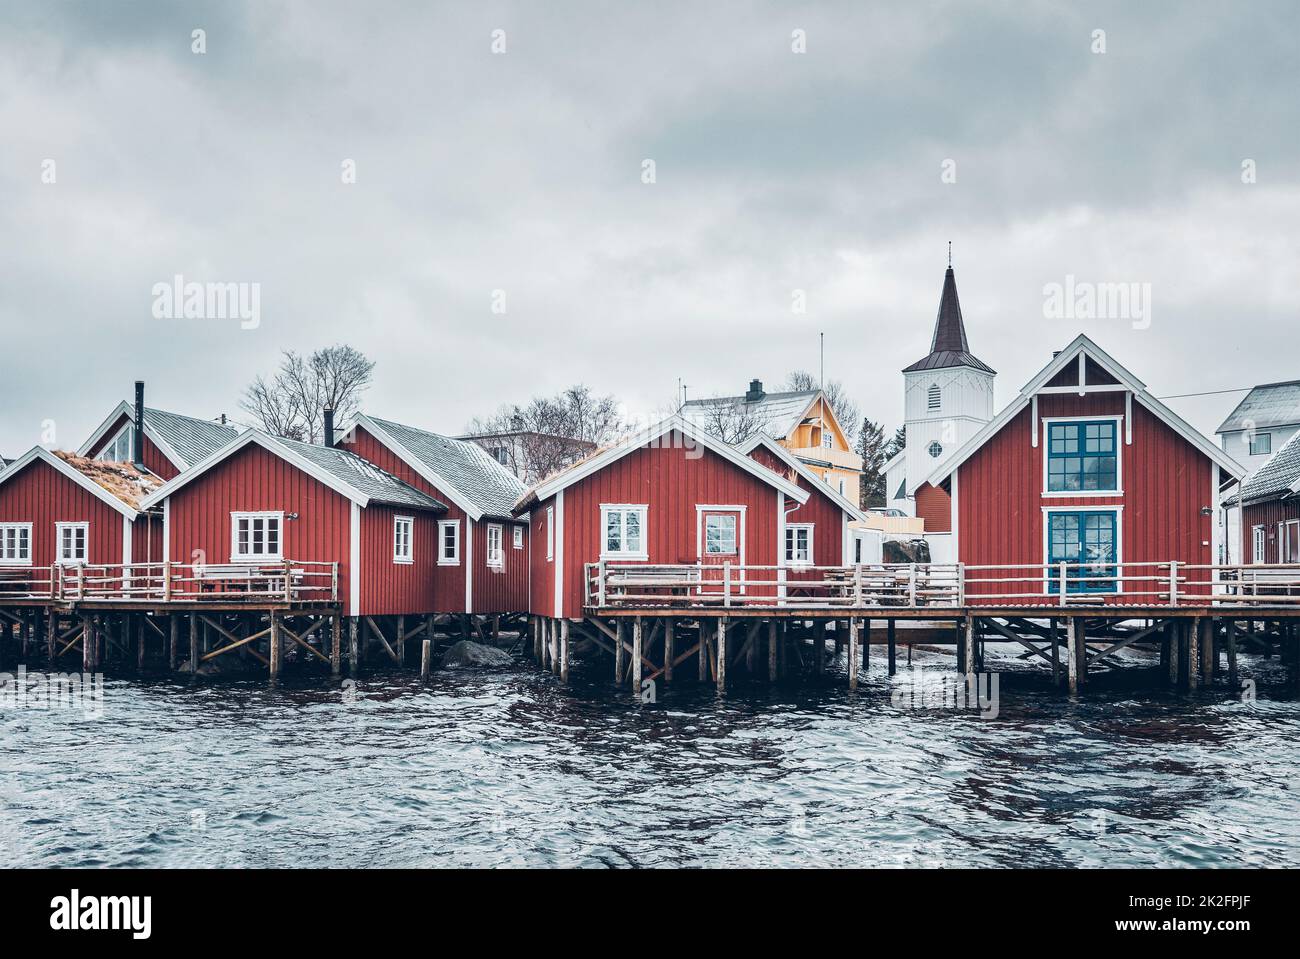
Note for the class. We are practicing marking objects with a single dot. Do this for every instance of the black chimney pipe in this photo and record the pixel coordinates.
(137, 444)
(329, 427)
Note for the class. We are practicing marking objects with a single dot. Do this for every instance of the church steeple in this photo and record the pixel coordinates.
(948, 347)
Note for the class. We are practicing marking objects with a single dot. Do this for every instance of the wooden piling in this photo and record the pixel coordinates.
(1193, 653)
(1207, 649)
(853, 653)
(620, 638)
(703, 658)
(194, 644)
(968, 656)
(1072, 652)
(139, 648)
(564, 650)
(1232, 654)
(891, 640)
(276, 648)
(818, 647)
(864, 641)
(536, 622)
(426, 659)
(87, 645)
(722, 656)
(399, 646)
(637, 630)
(555, 647)
(52, 637)
(336, 645)
(173, 641)
(670, 631)
(771, 650)
(354, 644)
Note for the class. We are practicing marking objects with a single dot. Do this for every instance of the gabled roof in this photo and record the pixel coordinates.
(184, 440)
(795, 464)
(1265, 406)
(1081, 344)
(1279, 477)
(461, 470)
(948, 346)
(604, 457)
(346, 473)
(122, 487)
(776, 414)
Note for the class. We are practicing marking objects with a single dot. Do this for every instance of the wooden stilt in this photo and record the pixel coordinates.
(555, 647)
(1207, 649)
(968, 655)
(818, 648)
(426, 659)
(1193, 653)
(853, 653)
(703, 660)
(564, 650)
(537, 639)
(620, 634)
(1054, 634)
(1173, 636)
(866, 626)
(771, 650)
(670, 633)
(173, 641)
(336, 645)
(1072, 652)
(194, 644)
(87, 645)
(891, 640)
(276, 646)
(1232, 654)
(52, 637)
(400, 644)
(139, 643)
(1082, 650)
(637, 630)
(354, 644)
(722, 656)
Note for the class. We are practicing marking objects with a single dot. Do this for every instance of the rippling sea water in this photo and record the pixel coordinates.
(514, 769)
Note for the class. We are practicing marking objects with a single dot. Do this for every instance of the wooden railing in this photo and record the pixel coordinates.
(611, 585)
(288, 581)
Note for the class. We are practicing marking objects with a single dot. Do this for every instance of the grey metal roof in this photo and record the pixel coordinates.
(465, 465)
(775, 414)
(362, 475)
(1265, 406)
(189, 438)
(1279, 474)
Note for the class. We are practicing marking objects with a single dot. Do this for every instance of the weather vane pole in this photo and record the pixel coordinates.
(950, 252)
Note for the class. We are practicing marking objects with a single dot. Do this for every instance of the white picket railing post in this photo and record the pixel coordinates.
(726, 584)
(1065, 585)
(961, 584)
(1173, 583)
(911, 585)
(600, 585)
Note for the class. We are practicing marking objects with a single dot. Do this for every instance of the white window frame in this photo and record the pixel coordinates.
(550, 533)
(496, 558)
(1116, 493)
(1252, 438)
(127, 432)
(1118, 510)
(59, 530)
(1257, 544)
(828, 439)
(517, 537)
(443, 558)
(623, 553)
(264, 515)
(15, 560)
(791, 531)
(407, 557)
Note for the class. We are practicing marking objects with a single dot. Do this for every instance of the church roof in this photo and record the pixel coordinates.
(948, 347)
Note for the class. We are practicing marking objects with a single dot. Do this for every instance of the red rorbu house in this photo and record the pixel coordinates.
(1085, 468)
(170, 443)
(671, 495)
(261, 501)
(61, 513)
(482, 548)
(1270, 508)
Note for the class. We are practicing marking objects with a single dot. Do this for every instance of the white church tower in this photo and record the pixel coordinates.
(948, 397)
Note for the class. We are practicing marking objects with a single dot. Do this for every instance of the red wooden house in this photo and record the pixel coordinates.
(170, 443)
(672, 494)
(816, 532)
(1270, 506)
(60, 509)
(1085, 467)
(482, 548)
(262, 500)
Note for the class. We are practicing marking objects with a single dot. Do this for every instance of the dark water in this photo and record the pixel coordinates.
(514, 769)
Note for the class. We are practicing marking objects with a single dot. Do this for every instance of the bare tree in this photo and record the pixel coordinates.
(845, 410)
(547, 427)
(731, 422)
(292, 403)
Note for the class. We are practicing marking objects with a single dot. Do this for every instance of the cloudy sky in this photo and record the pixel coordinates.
(522, 172)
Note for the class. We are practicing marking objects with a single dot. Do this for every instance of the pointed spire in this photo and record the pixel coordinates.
(948, 346)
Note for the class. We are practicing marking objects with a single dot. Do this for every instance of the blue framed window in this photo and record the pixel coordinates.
(1082, 457)
(1085, 539)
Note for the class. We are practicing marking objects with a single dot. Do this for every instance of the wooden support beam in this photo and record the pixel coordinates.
(771, 651)
(336, 645)
(968, 655)
(1193, 630)
(1232, 656)
(379, 635)
(173, 640)
(139, 642)
(564, 650)
(241, 644)
(87, 645)
(891, 641)
(51, 636)
(670, 631)
(354, 644)
(426, 659)
(302, 640)
(1207, 649)
(400, 641)
(277, 647)
(194, 644)
(703, 652)
(1173, 631)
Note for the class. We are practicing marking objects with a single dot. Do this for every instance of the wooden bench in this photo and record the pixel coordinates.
(245, 578)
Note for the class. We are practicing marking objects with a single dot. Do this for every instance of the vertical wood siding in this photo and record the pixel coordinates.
(541, 587)
(1268, 515)
(390, 588)
(934, 505)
